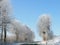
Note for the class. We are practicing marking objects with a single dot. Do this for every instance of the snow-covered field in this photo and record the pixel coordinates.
(55, 41)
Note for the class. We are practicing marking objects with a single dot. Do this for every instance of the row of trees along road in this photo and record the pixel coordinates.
(19, 31)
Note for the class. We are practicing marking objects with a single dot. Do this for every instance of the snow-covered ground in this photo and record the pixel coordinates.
(54, 41)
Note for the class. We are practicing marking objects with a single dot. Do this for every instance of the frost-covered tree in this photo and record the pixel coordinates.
(4, 17)
(29, 35)
(23, 32)
(44, 24)
(7, 24)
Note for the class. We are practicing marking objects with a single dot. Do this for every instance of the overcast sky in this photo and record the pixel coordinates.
(28, 11)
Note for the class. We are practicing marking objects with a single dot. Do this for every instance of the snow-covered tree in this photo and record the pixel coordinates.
(5, 10)
(44, 24)
(7, 24)
(23, 32)
(29, 35)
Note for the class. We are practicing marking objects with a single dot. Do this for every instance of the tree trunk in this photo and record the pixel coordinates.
(4, 33)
